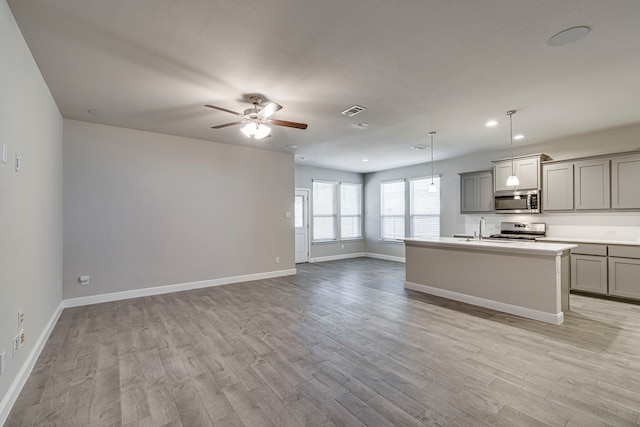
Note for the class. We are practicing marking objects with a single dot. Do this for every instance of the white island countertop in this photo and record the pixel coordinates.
(522, 247)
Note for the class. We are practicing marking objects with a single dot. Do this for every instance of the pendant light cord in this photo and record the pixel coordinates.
(431, 135)
(511, 113)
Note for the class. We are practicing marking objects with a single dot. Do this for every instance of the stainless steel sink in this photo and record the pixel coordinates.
(485, 240)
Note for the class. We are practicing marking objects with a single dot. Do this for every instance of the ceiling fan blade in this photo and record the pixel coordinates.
(269, 109)
(224, 109)
(227, 124)
(288, 124)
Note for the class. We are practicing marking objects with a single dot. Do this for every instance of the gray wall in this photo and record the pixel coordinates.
(144, 209)
(304, 179)
(30, 200)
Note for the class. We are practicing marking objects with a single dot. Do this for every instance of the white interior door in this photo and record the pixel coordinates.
(302, 224)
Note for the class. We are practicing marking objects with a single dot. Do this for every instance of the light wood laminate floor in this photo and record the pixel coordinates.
(340, 343)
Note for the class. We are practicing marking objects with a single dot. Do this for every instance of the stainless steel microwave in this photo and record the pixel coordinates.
(517, 202)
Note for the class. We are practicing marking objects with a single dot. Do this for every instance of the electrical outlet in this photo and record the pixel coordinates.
(20, 318)
(277, 260)
(84, 280)
(2, 362)
(17, 163)
(23, 337)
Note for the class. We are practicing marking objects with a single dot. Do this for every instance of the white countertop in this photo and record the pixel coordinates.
(533, 248)
(595, 241)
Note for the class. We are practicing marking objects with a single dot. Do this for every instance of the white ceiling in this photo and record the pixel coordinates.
(417, 65)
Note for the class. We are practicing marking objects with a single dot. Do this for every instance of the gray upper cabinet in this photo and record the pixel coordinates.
(502, 170)
(528, 172)
(476, 192)
(527, 169)
(625, 176)
(592, 187)
(557, 186)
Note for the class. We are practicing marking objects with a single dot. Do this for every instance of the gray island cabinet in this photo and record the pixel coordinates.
(527, 279)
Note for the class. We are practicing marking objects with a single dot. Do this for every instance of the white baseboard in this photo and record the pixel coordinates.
(542, 316)
(385, 257)
(357, 255)
(23, 374)
(337, 257)
(158, 290)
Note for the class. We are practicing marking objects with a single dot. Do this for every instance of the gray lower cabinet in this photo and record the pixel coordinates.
(624, 277)
(476, 192)
(589, 268)
(624, 271)
(589, 273)
(606, 269)
(625, 176)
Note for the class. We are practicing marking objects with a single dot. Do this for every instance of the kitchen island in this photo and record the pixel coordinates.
(528, 279)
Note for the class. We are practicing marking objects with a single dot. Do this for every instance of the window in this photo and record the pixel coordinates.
(324, 211)
(425, 208)
(350, 211)
(327, 223)
(392, 210)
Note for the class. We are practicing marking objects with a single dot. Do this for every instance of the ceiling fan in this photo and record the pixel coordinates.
(257, 119)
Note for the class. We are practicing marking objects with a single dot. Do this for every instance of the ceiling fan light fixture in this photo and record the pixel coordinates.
(262, 131)
(249, 130)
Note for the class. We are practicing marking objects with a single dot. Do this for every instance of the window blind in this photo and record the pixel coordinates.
(392, 210)
(324, 210)
(424, 208)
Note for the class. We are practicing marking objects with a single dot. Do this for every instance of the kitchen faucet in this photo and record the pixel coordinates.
(482, 225)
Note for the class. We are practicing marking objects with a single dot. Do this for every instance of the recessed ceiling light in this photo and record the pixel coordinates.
(98, 112)
(291, 146)
(365, 160)
(301, 158)
(491, 123)
(419, 147)
(519, 136)
(567, 36)
(361, 126)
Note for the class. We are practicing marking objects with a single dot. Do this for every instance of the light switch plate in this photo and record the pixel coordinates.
(17, 163)
(4, 153)
(2, 362)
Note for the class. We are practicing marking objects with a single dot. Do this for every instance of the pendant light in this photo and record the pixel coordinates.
(432, 187)
(513, 180)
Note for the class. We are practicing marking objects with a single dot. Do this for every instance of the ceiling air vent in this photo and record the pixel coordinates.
(352, 111)
(419, 147)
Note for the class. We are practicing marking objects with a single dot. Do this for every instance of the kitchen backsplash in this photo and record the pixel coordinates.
(589, 225)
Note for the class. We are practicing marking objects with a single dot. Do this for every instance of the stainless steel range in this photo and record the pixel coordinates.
(520, 231)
